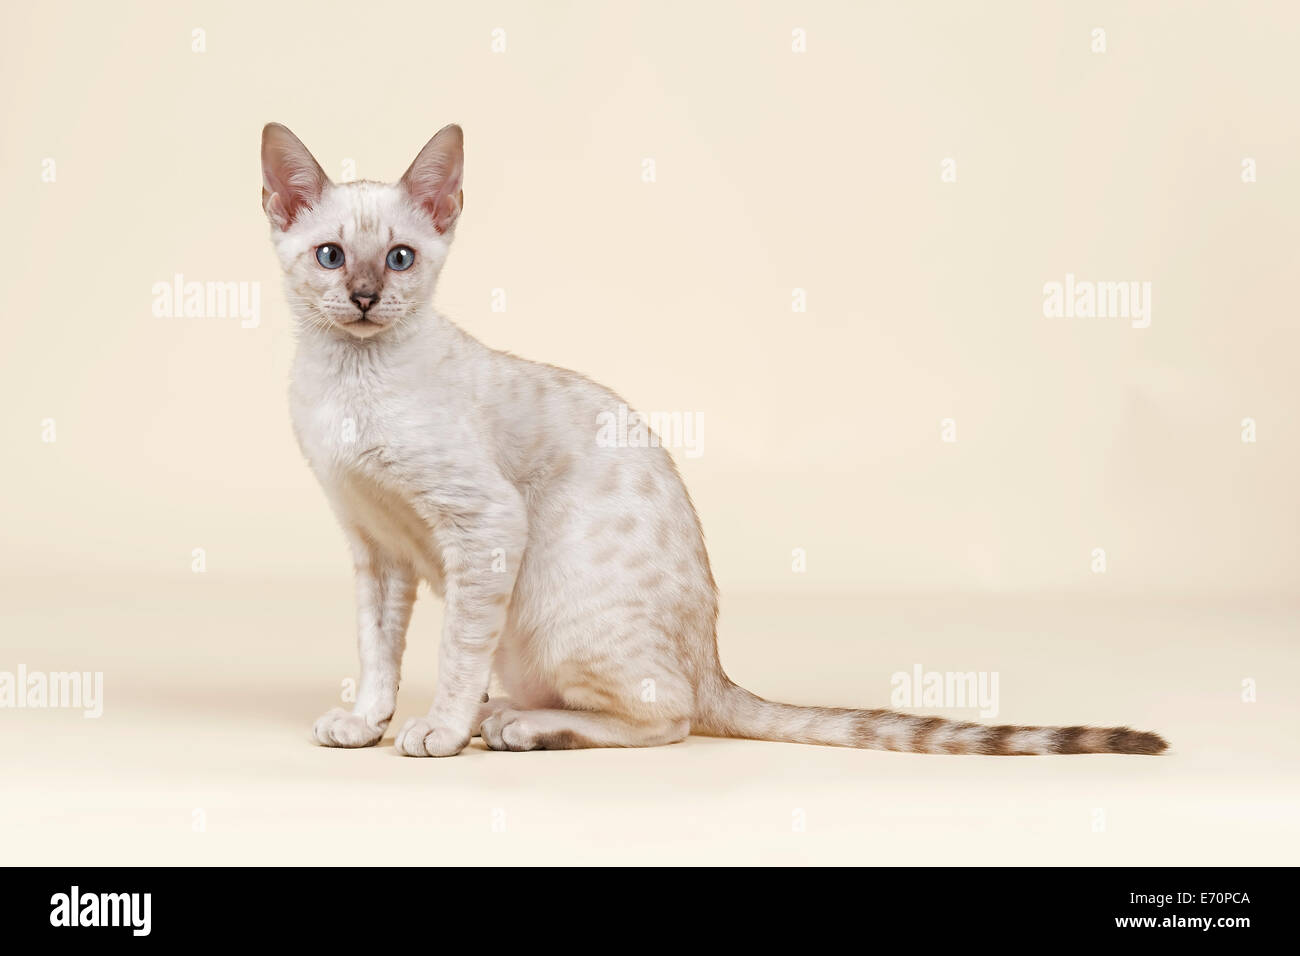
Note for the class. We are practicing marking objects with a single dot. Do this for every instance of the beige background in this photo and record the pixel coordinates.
(775, 171)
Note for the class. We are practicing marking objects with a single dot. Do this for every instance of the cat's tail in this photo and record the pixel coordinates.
(727, 710)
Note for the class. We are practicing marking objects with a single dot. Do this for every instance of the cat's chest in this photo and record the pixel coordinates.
(379, 455)
(352, 419)
(341, 429)
(412, 438)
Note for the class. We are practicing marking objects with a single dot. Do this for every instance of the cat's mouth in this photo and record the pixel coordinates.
(363, 327)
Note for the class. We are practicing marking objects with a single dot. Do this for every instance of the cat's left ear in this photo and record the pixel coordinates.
(434, 179)
(291, 178)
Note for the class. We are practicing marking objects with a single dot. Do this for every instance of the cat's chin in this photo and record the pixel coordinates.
(362, 328)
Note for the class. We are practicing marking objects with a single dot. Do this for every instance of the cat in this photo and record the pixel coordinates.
(574, 571)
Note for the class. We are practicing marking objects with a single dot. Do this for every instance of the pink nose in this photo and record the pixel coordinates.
(364, 300)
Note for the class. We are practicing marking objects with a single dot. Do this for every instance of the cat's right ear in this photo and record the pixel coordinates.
(291, 178)
(434, 179)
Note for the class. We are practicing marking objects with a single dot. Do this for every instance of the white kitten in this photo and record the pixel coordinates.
(576, 571)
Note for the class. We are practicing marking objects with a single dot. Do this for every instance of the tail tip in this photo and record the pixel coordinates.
(1124, 740)
(1109, 740)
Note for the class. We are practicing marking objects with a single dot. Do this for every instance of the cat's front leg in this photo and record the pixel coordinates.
(385, 595)
(481, 554)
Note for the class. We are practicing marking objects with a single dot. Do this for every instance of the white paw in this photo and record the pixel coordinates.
(419, 738)
(341, 728)
(487, 708)
(508, 730)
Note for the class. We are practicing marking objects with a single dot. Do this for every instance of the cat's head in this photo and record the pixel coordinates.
(360, 258)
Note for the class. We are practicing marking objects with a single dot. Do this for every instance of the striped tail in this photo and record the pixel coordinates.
(731, 711)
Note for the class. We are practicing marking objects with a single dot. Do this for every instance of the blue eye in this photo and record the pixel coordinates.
(329, 255)
(400, 258)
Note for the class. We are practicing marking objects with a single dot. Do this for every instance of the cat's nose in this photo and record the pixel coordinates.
(365, 300)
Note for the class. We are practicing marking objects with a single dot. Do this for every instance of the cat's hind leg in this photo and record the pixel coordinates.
(489, 707)
(555, 729)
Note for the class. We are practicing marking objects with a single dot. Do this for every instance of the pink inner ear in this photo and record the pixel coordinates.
(276, 212)
(434, 179)
(291, 178)
(442, 204)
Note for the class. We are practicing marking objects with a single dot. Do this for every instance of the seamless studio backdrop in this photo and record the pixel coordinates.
(824, 235)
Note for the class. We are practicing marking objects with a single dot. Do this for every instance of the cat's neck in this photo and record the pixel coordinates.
(417, 341)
